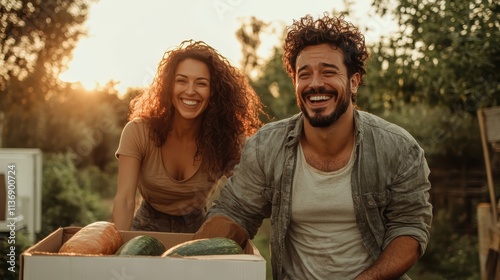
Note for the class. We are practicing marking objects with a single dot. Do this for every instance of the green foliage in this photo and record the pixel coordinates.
(102, 182)
(267, 76)
(38, 37)
(64, 201)
(275, 88)
(249, 36)
(449, 253)
(20, 242)
(86, 123)
(443, 135)
(446, 52)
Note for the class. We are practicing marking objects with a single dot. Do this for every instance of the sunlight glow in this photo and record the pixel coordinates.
(126, 41)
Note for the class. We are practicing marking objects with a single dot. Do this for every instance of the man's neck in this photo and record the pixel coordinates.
(332, 140)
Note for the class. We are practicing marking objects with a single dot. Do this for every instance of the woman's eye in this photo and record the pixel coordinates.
(202, 84)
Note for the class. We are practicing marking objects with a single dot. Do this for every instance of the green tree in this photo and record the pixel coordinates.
(267, 75)
(275, 88)
(445, 53)
(249, 36)
(434, 72)
(38, 35)
(87, 123)
(64, 201)
(36, 39)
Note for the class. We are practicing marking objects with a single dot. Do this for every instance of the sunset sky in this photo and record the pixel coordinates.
(126, 38)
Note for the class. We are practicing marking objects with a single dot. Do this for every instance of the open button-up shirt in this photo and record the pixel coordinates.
(390, 186)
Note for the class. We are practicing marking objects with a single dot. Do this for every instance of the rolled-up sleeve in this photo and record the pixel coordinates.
(410, 211)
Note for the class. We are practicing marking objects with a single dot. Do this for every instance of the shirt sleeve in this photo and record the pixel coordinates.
(410, 212)
(132, 140)
(241, 198)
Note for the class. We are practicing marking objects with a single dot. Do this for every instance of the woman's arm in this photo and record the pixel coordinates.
(124, 203)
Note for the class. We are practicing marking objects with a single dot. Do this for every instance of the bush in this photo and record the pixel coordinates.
(64, 201)
(449, 254)
(101, 182)
(443, 134)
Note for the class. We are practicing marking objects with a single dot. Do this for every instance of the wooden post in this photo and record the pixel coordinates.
(489, 127)
(486, 230)
(484, 226)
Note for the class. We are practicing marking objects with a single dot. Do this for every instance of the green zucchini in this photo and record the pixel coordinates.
(142, 245)
(206, 246)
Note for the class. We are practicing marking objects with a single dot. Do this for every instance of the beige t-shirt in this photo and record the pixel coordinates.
(164, 193)
(323, 240)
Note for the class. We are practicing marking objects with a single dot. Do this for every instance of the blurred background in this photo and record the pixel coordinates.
(69, 68)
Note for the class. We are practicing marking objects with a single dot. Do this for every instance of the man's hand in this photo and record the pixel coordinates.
(221, 226)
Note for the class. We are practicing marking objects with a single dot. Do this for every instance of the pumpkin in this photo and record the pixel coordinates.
(98, 238)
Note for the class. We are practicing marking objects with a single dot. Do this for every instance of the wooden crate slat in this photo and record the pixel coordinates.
(492, 123)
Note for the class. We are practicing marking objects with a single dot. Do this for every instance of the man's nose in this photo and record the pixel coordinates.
(316, 82)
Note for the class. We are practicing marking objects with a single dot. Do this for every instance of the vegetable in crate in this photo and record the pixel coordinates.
(142, 245)
(98, 238)
(206, 246)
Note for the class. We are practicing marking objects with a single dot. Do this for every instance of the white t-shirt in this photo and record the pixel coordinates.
(323, 241)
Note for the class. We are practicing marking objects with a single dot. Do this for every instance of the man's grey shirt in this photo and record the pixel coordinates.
(390, 186)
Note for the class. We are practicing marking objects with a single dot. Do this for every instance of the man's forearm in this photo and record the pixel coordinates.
(399, 256)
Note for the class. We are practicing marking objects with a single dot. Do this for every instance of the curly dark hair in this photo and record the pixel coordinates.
(332, 30)
(232, 113)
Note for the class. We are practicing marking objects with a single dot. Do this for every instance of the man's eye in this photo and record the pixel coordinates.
(303, 75)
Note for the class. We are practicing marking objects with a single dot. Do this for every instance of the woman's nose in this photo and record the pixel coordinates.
(190, 89)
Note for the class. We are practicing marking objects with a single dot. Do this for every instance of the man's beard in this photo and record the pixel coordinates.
(317, 120)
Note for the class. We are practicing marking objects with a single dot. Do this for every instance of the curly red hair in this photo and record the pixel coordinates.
(233, 111)
(332, 30)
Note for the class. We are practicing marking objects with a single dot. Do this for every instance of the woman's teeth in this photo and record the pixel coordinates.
(189, 102)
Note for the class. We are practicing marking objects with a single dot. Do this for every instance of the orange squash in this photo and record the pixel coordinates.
(98, 238)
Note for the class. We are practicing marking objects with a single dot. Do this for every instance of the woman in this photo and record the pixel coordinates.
(183, 134)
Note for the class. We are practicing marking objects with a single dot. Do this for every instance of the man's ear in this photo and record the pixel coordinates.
(354, 81)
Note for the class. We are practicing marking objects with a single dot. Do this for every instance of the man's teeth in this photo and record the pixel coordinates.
(189, 102)
(319, 98)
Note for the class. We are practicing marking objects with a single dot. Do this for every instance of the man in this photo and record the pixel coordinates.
(347, 193)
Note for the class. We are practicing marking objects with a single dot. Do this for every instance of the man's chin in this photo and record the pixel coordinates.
(320, 123)
(319, 120)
